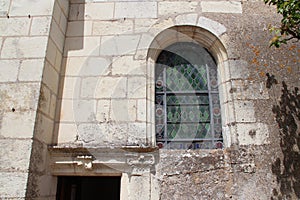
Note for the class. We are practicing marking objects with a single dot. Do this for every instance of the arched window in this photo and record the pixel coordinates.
(187, 107)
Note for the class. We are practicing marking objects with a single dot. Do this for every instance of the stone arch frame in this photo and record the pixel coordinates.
(208, 38)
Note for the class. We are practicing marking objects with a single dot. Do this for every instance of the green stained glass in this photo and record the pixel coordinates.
(178, 114)
(186, 77)
(187, 101)
(188, 131)
(192, 99)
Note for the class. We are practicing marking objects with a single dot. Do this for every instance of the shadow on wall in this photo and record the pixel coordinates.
(75, 32)
(38, 176)
(287, 112)
(74, 40)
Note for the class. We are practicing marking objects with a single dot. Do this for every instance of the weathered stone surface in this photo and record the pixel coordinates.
(14, 26)
(221, 6)
(79, 28)
(67, 133)
(119, 45)
(186, 19)
(124, 65)
(57, 35)
(24, 47)
(40, 25)
(50, 77)
(17, 124)
(107, 97)
(8, 70)
(173, 7)
(11, 98)
(103, 110)
(111, 87)
(31, 70)
(123, 110)
(244, 111)
(112, 27)
(254, 133)
(136, 10)
(27, 7)
(13, 185)
(136, 87)
(4, 7)
(13, 160)
(92, 11)
(215, 27)
(78, 46)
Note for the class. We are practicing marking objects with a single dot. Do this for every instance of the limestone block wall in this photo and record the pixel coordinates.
(80, 73)
(108, 76)
(107, 96)
(32, 38)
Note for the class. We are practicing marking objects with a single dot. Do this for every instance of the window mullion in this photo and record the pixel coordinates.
(165, 104)
(210, 103)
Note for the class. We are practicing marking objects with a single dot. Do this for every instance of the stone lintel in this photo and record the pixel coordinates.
(102, 161)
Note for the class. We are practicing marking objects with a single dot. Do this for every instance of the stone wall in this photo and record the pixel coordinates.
(32, 40)
(77, 94)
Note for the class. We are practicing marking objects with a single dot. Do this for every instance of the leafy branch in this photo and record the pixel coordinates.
(290, 23)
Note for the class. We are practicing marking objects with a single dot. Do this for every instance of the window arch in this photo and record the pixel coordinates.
(187, 106)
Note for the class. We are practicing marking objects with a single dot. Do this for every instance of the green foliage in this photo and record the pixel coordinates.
(290, 23)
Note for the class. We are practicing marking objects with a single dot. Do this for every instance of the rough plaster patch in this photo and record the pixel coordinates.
(221, 6)
(254, 133)
(244, 111)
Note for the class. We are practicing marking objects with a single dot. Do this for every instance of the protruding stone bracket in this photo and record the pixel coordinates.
(140, 163)
(109, 161)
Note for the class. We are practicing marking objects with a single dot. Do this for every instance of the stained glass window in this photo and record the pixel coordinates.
(187, 107)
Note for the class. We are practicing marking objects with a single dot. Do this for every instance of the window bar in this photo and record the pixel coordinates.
(210, 105)
(165, 106)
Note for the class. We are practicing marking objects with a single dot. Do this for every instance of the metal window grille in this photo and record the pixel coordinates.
(187, 107)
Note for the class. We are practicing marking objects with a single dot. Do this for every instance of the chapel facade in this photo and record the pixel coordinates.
(147, 99)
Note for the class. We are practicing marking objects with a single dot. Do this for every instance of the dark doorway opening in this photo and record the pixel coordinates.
(88, 188)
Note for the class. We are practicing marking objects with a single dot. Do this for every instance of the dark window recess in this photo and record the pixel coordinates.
(88, 188)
